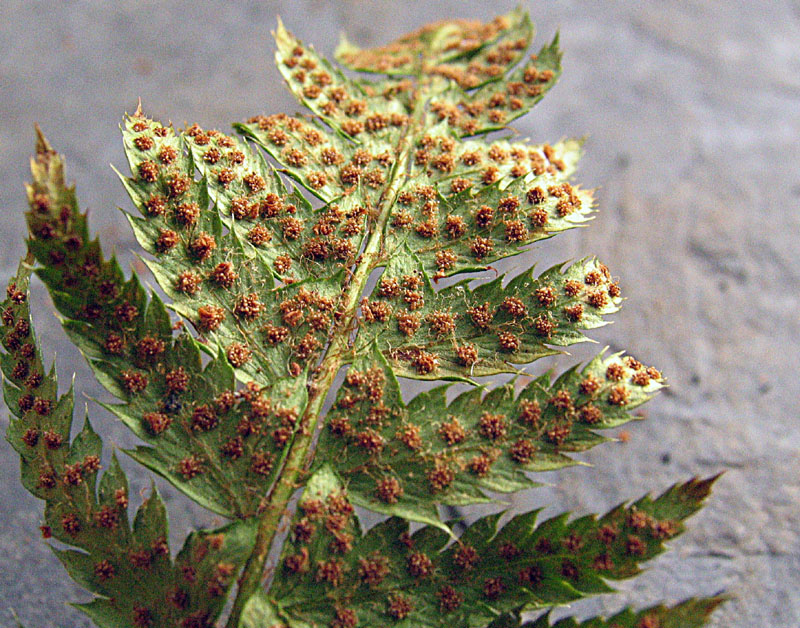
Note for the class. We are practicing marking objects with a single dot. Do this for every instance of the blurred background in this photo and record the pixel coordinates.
(692, 112)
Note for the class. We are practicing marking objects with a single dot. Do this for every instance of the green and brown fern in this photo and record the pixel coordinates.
(302, 247)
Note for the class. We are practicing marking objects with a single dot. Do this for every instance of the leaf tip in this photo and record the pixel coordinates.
(43, 147)
(701, 488)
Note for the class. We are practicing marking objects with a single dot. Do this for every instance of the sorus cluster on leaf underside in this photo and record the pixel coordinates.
(87, 504)
(456, 331)
(388, 573)
(312, 245)
(402, 457)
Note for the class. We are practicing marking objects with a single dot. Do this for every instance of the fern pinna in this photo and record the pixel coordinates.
(303, 247)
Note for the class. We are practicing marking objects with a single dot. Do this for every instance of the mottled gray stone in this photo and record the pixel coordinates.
(693, 116)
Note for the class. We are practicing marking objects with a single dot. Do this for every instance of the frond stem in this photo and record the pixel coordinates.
(336, 356)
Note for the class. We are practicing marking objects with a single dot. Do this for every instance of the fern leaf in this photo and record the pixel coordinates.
(456, 165)
(496, 104)
(128, 567)
(459, 333)
(245, 192)
(420, 580)
(201, 434)
(227, 292)
(328, 166)
(468, 204)
(311, 244)
(282, 228)
(358, 161)
(447, 46)
(336, 99)
(403, 460)
(111, 318)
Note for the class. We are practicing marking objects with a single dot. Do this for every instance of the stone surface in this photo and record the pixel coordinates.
(693, 116)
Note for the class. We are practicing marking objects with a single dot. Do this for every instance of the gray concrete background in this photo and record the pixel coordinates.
(693, 115)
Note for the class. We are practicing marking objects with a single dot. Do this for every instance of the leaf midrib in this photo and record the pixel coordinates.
(338, 354)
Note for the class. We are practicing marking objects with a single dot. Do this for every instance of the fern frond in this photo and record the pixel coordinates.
(310, 246)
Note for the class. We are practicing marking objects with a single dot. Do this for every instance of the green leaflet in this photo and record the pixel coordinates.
(330, 572)
(267, 221)
(446, 48)
(203, 436)
(458, 333)
(221, 447)
(228, 291)
(127, 566)
(359, 158)
(496, 104)
(199, 578)
(403, 460)
(333, 97)
(469, 204)
(225, 449)
(328, 166)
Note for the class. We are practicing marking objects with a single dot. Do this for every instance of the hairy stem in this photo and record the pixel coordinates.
(335, 357)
